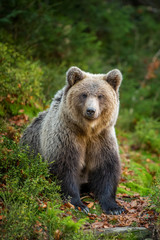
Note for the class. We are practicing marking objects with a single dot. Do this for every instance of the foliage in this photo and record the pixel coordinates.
(27, 193)
(155, 196)
(147, 134)
(20, 82)
(110, 34)
(31, 205)
(50, 34)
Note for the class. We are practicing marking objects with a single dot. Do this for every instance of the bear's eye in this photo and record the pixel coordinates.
(84, 95)
(100, 96)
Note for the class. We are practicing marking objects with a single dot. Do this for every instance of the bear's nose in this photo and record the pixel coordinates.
(90, 111)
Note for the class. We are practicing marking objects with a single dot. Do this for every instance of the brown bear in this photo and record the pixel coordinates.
(76, 136)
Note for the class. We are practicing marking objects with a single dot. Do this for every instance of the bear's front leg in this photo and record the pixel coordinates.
(66, 170)
(70, 190)
(103, 181)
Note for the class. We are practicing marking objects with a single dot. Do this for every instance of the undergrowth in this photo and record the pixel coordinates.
(30, 202)
(26, 189)
(21, 83)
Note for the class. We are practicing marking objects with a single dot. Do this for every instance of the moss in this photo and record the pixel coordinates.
(122, 190)
(141, 177)
(137, 188)
(134, 188)
(153, 168)
(140, 182)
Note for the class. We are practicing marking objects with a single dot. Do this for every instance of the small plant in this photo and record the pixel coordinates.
(147, 134)
(155, 196)
(29, 198)
(20, 81)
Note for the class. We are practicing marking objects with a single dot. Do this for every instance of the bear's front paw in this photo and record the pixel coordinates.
(79, 204)
(112, 208)
(84, 208)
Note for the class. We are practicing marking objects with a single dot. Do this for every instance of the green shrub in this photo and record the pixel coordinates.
(20, 81)
(110, 34)
(155, 196)
(147, 135)
(26, 188)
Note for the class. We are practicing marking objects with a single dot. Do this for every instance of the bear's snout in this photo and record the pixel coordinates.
(91, 108)
(90, 112)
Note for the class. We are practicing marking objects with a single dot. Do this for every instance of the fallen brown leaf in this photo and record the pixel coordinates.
(2, 217)
(69, 205)
(97, 225)
(134, 203)
(90, 204)
(57, 234)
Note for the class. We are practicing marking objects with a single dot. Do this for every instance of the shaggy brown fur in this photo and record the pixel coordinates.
(77, 133)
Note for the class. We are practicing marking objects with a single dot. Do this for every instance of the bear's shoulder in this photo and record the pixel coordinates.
(57, 98)
(58, 95)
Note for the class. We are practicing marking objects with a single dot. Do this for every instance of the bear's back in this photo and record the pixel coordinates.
(31, 136)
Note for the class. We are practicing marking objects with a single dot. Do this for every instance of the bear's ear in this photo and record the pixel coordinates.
(114, 78)
(74, 74)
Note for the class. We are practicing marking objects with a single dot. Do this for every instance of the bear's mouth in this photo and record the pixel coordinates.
(90, 118)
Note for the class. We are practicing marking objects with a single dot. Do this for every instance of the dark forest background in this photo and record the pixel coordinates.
(41, 39)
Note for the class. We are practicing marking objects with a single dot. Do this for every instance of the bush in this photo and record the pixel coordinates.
(155, 197)
(147, 135)
(110, 34)
(20, 81)
(30, 199)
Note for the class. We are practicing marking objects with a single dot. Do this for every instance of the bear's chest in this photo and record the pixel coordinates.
(89, 158)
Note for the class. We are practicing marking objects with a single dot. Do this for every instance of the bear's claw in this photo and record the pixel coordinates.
(115, 211)
(112, 208)
(83, 208)
(79, 204)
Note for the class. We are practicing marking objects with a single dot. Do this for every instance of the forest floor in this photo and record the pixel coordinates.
(134, 192)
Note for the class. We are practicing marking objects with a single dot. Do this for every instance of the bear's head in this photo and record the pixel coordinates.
(92, 99)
